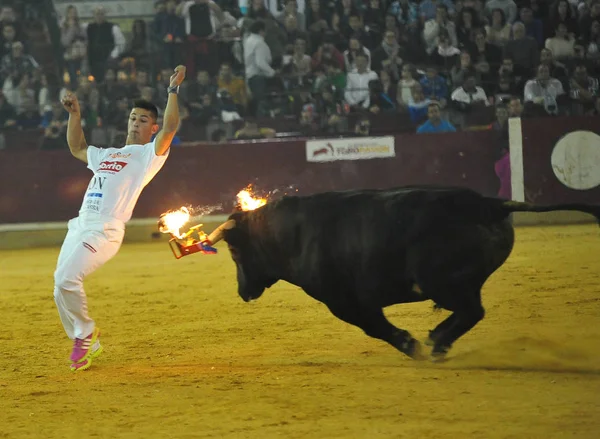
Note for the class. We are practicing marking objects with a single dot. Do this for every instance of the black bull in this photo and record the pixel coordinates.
(361, 251)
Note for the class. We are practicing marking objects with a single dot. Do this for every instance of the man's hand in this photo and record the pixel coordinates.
(71, 104)
(177, 77)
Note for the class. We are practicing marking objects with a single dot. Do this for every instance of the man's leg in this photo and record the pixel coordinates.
(89, 250)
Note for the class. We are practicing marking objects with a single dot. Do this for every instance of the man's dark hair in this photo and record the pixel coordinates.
(257, 27)
(434, 104)
(146, 105)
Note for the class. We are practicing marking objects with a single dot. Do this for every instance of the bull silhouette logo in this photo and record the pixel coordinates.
(321, 151)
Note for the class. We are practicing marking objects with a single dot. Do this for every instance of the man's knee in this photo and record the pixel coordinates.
(64, 280)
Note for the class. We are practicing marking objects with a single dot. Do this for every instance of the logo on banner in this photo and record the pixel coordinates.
(113, 167)
(576, 160)
(356, 148)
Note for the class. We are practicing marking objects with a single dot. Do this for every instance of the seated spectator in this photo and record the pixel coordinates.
(331, 110)
(498, 32)
(195, 93)
(543, 92)
(515, 107)
(327, 52)
(561, 11)
(383, 94)
(533, 26)
(7, 39)
(505, 89)
(17, 63)
(293, 33)
(463, 68)
(18, 90)
(508, 7)
(446, 55)
(428, 9)
(434, 28)
(55, 128)
(486, 59)
(405, 85)
(354, 48)
(435, 123)
(562, 45)
(435, 87)
(557, 70)
(73, 38)
(467, 23)
(406, 13)
(523, 50)
(234, 85)
(584, 89)
(357, 86)
(469, 95)
(417, 107)
(290, 9)
(297, 65)
(592, 47)
(387, 56)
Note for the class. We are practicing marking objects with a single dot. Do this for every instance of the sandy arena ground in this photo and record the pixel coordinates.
(186, 358)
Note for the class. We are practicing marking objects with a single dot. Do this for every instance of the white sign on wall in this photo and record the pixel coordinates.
(355, 148)
(576, 160)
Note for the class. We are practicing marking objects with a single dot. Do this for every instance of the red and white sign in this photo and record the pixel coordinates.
(109, 166)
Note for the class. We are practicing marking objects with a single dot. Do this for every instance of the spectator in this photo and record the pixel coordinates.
(297, 65)
(508, 7)
(433, 29)
(250, 131)
(515, 107)
(18, 94)
(593, 42)
(533, 26)
(543, 92)
(466, 24)
(55, 128)
(354, 48)
(383, 94)
(505, 89)
(434, 86)
(584, 89)
(562, 12)
(290, 9)
(487, 59)
(138, 47)
(331, 111)
(406, 13)
(523, 50)
(106, 42)
(357, 86)
(327, 52)
(195, 94)
(274, 36)
(435, 123)
(202, 18)
(562, 45)
(417, 107)
(73, 39)
(428, 9)
(168, 29)
(293, 33)
(16, 64)
(234, 85)
(8, 37)
(445, 55)
(469, 95)
(28, 117)
(405, 85)
(498, 32)
(257, 63)
(557, 70)
(387, 56)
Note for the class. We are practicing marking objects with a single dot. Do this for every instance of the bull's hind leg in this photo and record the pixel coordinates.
(374, 323)
(466, 315)
(434, 334)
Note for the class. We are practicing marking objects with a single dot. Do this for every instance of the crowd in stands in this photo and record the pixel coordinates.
(435, 63)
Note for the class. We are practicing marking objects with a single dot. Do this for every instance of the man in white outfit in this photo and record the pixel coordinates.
(96, 234)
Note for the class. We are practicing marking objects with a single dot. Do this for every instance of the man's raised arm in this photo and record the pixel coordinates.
(75, 136)
(171, 117)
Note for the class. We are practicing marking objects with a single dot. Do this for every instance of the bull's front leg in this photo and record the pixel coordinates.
(374, 323)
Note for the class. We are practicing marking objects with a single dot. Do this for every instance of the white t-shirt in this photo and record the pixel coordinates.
(120, 175)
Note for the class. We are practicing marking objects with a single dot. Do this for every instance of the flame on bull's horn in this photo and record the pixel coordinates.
(172, 221)
(248, 201)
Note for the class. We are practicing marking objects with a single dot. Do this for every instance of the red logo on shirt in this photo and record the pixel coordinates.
(108, 166)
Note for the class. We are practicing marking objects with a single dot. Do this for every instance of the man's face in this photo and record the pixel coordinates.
(507, 64)
(546, 56)
(141, 126)
(355, 23)
(99, 16)
(203, 77)
(543, 72)
(225, 71)
(518, 32)
(8, 32)
(526, 15)
(433, 113)
(515, 108)
(469, 83)
(361, 63)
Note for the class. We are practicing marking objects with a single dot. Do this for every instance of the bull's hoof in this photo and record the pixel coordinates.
(438, 354)
(430, 340)
(414, 350)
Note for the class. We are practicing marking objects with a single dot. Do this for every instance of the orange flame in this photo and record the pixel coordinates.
(248, 201)
(172, 221)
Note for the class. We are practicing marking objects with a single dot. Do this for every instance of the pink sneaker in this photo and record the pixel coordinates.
(82, 347)
(96, 350)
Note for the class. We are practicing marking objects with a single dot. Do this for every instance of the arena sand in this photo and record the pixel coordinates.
(186, 358)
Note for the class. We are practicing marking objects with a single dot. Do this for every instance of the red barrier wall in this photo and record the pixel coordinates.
(48, 186)
(540, 137)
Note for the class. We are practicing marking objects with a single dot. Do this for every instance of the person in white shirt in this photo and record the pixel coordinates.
(357, 92)
(469, 93)
(543, 90)
(96, 234)
(257, 63)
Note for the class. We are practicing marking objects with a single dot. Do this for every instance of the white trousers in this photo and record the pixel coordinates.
(87, 246)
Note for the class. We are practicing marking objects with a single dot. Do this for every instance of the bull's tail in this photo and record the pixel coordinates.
(516, 206)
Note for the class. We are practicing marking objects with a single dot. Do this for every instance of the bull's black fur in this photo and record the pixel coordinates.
(360, 251)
